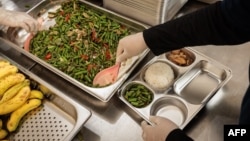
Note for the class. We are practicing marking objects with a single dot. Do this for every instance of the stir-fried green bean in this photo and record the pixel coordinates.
(81, 43)
(138, 95)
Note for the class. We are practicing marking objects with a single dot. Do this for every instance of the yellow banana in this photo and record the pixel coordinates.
(11, 92)
(44, 89)
(7, 70)
(10, 80)
(1, 123)
(17, 115)
(4, 63)
(36, 94)
(17, 101)
(3, 134)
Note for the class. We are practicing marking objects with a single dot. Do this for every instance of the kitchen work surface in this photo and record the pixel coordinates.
(114, 120)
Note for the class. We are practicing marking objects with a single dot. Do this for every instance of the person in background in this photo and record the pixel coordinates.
(225, 22)
(18, 19)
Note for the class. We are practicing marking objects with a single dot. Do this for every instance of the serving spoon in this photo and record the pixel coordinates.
(26, 45)
(107, 76)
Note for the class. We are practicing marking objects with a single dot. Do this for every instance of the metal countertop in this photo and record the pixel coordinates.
(113, 121)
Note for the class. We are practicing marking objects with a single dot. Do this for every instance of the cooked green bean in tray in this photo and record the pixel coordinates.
(138, 95)
(81, 43)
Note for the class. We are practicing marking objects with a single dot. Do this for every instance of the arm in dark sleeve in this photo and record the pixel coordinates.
(178, 135)
(221, 23)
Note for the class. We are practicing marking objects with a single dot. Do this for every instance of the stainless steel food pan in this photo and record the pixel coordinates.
(194, 85)
(105, 93)
(59, 117)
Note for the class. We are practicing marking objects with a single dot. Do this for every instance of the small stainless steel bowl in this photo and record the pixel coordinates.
(137, 94)
(178, 56)
(170, 107)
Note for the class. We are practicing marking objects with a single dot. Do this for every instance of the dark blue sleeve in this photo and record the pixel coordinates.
(222, 23)
(245, 105)
(178, 135)
(237, 13)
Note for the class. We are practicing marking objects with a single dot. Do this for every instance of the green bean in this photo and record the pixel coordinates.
(132, 99)
(135, 104)
(65, 40)
(138, 95)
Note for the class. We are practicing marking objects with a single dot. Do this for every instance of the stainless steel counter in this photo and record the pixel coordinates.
(114, 121)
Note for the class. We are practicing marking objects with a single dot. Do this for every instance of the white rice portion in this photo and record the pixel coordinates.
(159, 75)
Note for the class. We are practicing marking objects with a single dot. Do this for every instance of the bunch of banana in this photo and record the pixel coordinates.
(16, 97)
(3, 132)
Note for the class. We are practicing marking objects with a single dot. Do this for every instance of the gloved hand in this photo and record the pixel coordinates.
(159, 131)
(18, 19)
(130, 46)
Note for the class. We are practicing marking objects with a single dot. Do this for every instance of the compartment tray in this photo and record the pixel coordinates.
(193, 86)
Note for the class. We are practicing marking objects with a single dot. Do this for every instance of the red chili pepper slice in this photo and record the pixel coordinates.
(84, 57)
(107, 52)
(108, 55)
(62, 13)
(67, 17)
(93, 35)
(90, 67)
(48, 56)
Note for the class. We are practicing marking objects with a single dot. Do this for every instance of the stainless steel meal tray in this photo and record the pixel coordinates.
(193, 86)
(59, 117)
(105, 93)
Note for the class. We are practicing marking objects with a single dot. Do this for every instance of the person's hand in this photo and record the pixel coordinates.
(130, 46)
(161, 129)
(18, 19)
